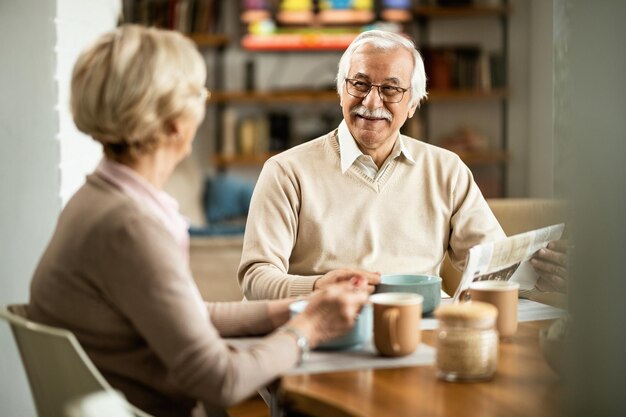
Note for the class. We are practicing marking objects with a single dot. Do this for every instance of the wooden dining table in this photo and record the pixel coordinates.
(524, 385)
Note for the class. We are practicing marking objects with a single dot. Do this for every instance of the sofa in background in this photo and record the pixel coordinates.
(214, 260)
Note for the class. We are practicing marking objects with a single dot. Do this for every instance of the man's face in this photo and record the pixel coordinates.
(389, 67)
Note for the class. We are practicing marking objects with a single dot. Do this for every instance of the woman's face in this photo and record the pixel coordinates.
(187, 126)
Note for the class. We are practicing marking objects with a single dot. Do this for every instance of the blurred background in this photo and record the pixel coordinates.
(530, 93)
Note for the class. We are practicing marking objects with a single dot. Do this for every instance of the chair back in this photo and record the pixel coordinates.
(98, 404)
(57, 367)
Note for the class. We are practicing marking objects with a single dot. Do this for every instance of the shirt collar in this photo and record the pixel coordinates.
(349, 150)
(158, 202)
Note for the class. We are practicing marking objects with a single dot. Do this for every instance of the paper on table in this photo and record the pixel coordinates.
(362, 357)
(527, 310)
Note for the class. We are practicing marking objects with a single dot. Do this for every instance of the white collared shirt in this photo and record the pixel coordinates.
(351, 154)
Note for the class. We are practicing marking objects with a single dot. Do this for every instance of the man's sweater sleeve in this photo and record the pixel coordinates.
(472, 220)
(271, 233)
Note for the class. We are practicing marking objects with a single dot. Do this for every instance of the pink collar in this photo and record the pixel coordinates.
(158, 202)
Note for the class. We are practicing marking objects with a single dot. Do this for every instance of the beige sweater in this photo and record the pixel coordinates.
(115, 277)
(307, 218)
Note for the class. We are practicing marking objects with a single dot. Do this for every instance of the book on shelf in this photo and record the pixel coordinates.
(187, 16)
(463, 67)
(257, 134)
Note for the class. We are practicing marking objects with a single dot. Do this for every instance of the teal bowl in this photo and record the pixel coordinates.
(360, 333)
(428, 286)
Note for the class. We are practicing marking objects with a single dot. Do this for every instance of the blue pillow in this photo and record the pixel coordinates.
(226, 198)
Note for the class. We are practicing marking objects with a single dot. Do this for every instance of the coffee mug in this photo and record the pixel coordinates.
(397, 318)
(360, 333)
(503, 295)
(428, 286)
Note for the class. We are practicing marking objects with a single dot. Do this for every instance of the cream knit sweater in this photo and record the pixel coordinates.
(307, 218)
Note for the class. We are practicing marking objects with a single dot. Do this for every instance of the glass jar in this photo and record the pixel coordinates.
(467, 342)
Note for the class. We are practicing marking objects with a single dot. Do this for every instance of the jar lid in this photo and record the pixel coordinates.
(473, 313)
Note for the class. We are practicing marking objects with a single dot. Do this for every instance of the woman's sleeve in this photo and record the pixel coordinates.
(151, 285)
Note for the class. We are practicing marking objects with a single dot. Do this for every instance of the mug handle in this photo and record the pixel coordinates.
(465, 296)
(391, 318)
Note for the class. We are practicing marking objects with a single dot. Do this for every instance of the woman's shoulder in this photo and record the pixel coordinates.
(99, 207)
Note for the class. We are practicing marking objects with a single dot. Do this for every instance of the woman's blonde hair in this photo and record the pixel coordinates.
(131, 83)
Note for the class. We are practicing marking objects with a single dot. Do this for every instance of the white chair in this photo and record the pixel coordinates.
(58, 369)
(99, 404)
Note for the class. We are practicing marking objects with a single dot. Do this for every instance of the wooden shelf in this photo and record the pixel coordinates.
(467, 95)
(298, 42)
(206, 40)
(469, 11)
(255, 160)
(287, 96)
(330, 96)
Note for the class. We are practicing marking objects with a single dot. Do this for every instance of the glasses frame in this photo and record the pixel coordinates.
(378, 86)
(204, 94)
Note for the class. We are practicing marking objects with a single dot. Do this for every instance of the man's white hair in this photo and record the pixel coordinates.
(387, 41)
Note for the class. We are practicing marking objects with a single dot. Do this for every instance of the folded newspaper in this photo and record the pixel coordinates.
(508, 259)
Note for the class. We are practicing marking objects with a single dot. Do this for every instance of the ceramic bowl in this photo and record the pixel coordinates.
(428, 286)
(359, 334)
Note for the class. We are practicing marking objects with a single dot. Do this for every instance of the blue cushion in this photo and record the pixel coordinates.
(226, 197)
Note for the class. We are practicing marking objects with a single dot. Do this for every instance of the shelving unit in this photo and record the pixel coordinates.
(280, 96)
(328, 33)
(496, 157)
(207, 40)
(298, 42)
(462, 11)
(312, 32)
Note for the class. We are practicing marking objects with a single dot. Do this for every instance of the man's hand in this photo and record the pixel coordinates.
(551, 264)
(342, 275)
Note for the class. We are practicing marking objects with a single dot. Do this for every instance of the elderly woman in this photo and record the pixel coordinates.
(116, 270)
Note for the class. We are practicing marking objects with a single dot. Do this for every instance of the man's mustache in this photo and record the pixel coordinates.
(379, 113)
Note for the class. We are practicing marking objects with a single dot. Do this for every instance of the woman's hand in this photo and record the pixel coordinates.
(551, 264)
(332, 310)
(343, 275)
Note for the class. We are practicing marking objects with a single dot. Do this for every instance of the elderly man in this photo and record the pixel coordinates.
(363, 196)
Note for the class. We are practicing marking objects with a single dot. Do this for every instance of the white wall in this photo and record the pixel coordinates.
(530, 115)
(518, 118)
(29, 168)
(540, 167)
(77, 23)
(37, 171)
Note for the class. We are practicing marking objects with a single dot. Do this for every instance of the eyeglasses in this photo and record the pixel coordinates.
(204, 94)
(387, 93)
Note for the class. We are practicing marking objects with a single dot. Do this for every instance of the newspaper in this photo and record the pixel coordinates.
(507, 259)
